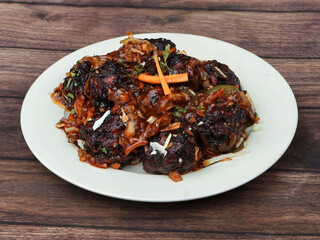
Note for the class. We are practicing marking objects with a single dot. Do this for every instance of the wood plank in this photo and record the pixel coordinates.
(303, 153)
(277, 202)
(303, 77)
(23, 67)
(12, 143)
(54, 232)
(69, 27)
(238, 5)
(18, 72)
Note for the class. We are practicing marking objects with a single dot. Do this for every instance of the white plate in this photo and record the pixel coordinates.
(272, 96)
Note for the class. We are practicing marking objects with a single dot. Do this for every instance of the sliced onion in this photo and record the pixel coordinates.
(130, 129)
(172, 126)
(124, 117)
(60, 125)
(151, 119)
(130, 40)
(71, 129)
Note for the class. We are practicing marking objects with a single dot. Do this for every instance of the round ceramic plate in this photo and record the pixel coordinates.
(269, 91)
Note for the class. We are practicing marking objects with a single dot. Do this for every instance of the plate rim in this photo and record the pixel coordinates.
(132, 198)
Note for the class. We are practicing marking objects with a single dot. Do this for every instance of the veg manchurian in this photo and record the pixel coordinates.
(201, 118)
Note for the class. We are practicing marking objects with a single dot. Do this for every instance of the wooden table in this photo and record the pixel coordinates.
(281, 203)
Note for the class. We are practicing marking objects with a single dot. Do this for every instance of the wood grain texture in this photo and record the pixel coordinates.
(57, 232)
(281, 202)
(12, 143)
(236, 5)
(293, 35)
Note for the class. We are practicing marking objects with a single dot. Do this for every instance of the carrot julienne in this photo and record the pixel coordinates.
(164, 84)
(216, 95)
(175, 78)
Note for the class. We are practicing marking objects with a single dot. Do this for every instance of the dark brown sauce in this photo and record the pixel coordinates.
(209, 123)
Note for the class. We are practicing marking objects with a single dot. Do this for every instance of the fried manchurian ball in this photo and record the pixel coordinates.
(103, 142)
(178, 156)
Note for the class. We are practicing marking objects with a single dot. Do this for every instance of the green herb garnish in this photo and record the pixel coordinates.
(72, 111)
(138, 68)
(164, 66)
(176, 112)
(68, 84)
(75, 72)
(180, 109)
(104, 150)
(158, 58)
(72, 74)
(70, 95)
(166, 53)
(201, 107)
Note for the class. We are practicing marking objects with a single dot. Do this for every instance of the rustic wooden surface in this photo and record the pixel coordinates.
(283, 203)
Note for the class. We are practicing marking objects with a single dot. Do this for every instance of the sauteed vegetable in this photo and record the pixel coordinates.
(149, 102)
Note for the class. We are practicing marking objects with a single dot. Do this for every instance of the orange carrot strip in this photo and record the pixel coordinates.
(175, 176)
(215, 95)
(175, 78)
(115, 165)
(164, 84)
(171, 127)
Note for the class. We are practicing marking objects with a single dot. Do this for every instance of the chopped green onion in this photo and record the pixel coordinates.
(73, 74)
(68, 84)
(75, 84)
(180, 109)
(177, 111)
(201, 107)
(166, 53)
(138, 68)
(176, 114)
(227, 89)
(72, 111)
(104, 150)
(165, 66)
(70, 95)
(158, 58)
